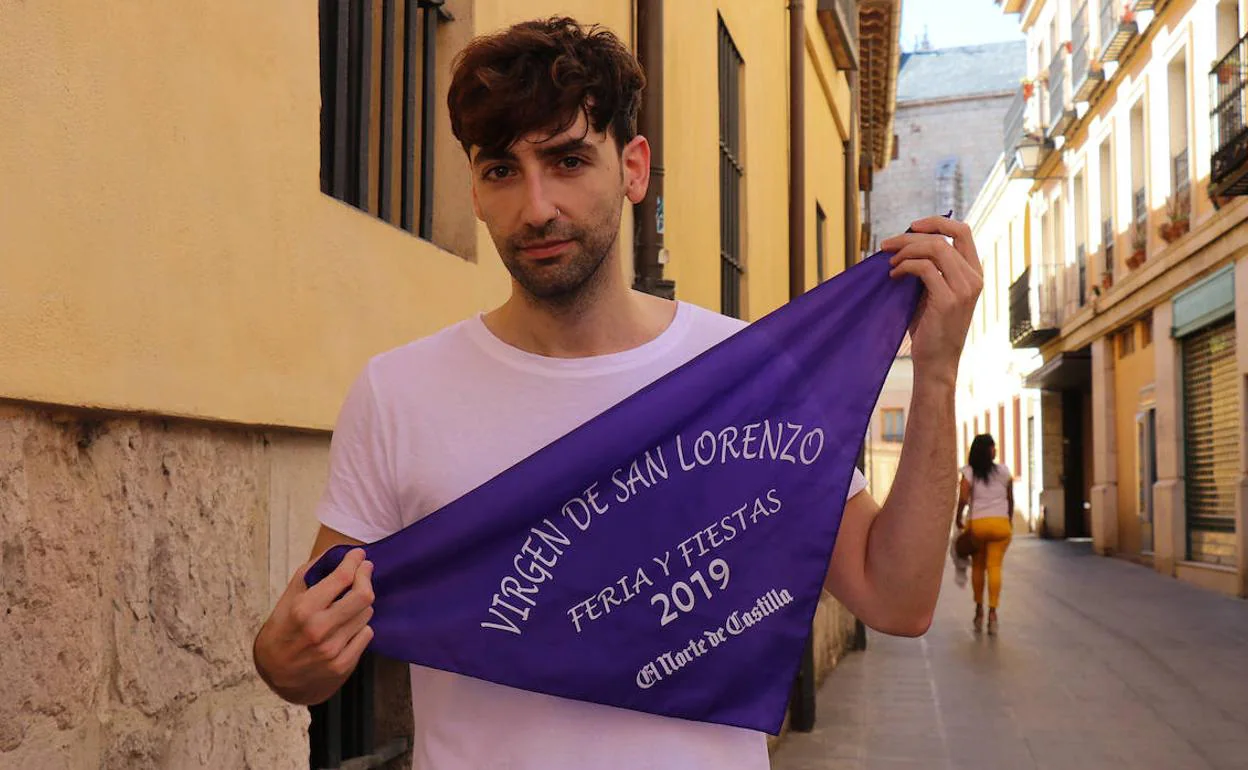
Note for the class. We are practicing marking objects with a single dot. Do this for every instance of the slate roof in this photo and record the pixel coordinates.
(966, 71)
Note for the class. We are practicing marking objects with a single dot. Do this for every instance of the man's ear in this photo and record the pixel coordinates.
(635, 167)
(476, 204)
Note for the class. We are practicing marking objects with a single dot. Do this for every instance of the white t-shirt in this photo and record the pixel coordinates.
(989, 499)
(430, 421)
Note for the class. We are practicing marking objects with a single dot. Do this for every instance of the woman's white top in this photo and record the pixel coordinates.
(988, 498)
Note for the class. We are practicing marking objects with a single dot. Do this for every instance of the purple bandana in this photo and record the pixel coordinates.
(666, 556)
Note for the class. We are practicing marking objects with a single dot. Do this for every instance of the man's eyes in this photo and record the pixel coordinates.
(500, 173)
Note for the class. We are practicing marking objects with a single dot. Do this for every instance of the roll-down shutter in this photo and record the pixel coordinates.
(1211, 411)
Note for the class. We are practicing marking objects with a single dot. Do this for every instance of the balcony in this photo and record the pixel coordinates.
(1034, 306)
(1229, 169)
(1085, 79)
(839, 20)
(1061, 111)
(1024, 146)
(1118, 29)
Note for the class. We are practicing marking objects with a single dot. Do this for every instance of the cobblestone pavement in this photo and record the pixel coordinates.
(1099, 664)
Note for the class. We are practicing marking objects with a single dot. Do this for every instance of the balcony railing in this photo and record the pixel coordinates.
(1084, 80)
(1034, 306)
(839, 19)
(1229, 169)
(1117, 29)
(1060, 114)
(1015, 120)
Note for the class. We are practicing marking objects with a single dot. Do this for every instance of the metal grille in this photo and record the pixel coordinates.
(342, 727)
(1015, 121)
(1139, 205)
(731, 170)
(1212, 441)
(1226, 117)
(1109, 22)
(1079, 45)
(1057, 91)
(371, 129)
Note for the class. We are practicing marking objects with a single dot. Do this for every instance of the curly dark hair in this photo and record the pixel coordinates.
(541, 76)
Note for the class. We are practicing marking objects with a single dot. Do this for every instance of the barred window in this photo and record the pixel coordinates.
(377, 62)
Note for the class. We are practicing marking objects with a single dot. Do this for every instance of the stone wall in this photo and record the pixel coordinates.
(927, 133)
(134, 572)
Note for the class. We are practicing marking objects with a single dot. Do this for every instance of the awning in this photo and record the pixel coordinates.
(1065, 371)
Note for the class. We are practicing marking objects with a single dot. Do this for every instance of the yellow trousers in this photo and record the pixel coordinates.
(993, 535)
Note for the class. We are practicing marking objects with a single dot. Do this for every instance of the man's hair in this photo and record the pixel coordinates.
(541, 76)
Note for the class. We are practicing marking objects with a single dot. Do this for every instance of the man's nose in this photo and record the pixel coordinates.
(539, 210)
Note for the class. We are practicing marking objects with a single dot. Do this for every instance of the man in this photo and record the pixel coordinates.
(546, 112)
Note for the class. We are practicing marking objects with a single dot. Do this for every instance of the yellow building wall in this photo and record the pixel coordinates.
(760, 32)
(169, 250)
(1131, 374)
(166, 244)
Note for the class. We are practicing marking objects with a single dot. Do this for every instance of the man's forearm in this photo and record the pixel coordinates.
(907, 541)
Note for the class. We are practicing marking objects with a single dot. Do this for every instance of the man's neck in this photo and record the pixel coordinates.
(612, 319)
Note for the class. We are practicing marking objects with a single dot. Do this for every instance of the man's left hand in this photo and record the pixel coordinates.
(952, 278)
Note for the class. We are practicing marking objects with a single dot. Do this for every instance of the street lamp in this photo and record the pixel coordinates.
(1027, 154)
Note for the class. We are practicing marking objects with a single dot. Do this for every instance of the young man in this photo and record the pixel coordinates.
(546, 112)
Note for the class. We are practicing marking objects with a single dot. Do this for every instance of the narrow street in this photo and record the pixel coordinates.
(1099, 664)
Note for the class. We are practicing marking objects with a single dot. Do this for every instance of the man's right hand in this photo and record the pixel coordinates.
(315, 636)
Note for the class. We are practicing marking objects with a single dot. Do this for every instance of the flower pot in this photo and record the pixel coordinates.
(1107, 280)
(1136, 259)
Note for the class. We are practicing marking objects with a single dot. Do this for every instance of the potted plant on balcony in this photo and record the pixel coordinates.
(1178, 216)
(1139, 245)
(1107, 280)
(1029, 88)
(1226, 70)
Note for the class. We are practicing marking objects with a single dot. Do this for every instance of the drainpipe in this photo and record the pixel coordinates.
(802, 698)
(649, 254)
(797, 149)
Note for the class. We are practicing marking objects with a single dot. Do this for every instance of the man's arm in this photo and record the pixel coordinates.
(887, 562)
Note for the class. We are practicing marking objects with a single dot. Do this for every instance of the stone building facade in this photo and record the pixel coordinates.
(951, 104)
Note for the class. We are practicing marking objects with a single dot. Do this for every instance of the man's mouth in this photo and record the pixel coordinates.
(544, 249)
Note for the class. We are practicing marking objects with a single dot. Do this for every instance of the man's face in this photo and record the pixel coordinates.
(552, 205)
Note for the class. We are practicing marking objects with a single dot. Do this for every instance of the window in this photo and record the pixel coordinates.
(1146, 331)
(894, 424)
(342, 727)
(377, 107)
(949, 187)
(1139, 188)
(1018, 435)
(1126, 341)
(731, 170)
(1001, 442)
(1107, 209)
(821, 243)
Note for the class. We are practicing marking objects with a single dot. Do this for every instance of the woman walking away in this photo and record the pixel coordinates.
(987, 488)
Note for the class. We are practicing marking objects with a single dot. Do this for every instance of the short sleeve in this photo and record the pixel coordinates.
(968, 474)
(857, 484)
(359, 499)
